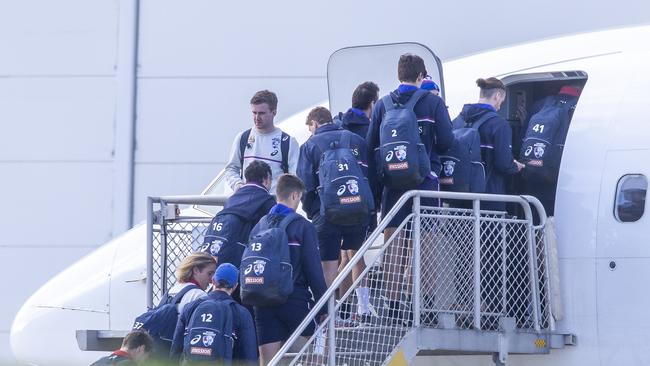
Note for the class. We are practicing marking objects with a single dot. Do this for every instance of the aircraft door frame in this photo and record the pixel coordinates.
(350, 66)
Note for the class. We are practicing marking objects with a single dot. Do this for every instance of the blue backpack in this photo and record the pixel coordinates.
(160, 322)
(344, 191)
(462, 164)
(540, 150)
(402, 159)
(266, 273)
(210, 333)
(226, 237)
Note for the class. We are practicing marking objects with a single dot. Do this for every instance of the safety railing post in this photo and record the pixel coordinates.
(331, 331)
(504, 269)
(416, 261)
(163, 249)
(534, 283)
(477, 263)
(150, 223)
(547, 281)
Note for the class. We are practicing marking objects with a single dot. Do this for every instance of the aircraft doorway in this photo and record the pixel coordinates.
(528, 96)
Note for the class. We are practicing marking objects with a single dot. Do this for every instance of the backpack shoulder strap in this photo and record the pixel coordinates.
(179, 296)
(243, 141)
(415, 98)
(484, 118)
(388, 102)
(284, 149)
(288, 220)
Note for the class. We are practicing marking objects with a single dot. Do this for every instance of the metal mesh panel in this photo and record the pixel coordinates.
(181, 236)
(370, 339)
(460, 287)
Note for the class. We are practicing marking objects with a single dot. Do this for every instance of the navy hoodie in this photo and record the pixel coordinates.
(496, 146)
(310, 155)
(245, 348)
(305, 257)
(252, 200)
(433, 120)
(355, 121)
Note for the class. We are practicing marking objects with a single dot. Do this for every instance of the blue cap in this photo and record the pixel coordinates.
(428, 84)
(228, 273)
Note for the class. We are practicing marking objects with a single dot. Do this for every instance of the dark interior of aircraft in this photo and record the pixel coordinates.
(523, 92)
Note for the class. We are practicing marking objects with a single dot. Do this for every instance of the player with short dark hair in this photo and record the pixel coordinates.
(136, 348)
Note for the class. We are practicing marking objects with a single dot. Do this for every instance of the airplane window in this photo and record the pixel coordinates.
(630, 197)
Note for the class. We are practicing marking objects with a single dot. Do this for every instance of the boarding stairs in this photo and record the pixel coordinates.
(466, 281)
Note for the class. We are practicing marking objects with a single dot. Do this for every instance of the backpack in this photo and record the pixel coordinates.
(210, 333)
(266, 273)
(226, 237)
(160, 322)
(285, 140)
(344, 191)
(462, 165)
(403, 161)
(541, 151)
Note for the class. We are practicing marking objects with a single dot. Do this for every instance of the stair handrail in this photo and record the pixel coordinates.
(524, 200)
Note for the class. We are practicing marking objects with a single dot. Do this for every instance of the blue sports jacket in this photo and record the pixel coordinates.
(309, 161)
(245, 350)
(496, 146)
(252, 200)
(355, 121)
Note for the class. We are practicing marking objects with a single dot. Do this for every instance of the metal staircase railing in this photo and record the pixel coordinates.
(448, 281)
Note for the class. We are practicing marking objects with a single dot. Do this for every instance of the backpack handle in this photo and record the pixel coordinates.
(389, 104)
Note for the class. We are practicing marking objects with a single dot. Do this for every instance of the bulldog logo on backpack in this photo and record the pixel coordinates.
(215, 247)
(400, 152)
(208, 338)
(539, 149)
(258, 267)
(353, 186)
(449, 168)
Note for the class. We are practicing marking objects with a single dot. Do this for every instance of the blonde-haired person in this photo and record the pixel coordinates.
(195, 270)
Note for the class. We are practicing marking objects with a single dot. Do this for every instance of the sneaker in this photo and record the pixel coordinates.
(349, 322)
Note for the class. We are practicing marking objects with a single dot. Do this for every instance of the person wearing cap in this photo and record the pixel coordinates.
(224, 282)
(136, 348)
(430, 85)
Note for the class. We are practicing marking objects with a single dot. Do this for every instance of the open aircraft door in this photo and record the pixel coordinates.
(351, 66)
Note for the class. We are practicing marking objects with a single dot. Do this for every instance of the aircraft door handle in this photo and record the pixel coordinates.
(141, 278)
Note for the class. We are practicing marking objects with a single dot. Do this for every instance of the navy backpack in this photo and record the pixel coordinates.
(266, 273)
(462, 165)
(160, 322)
(226, 237)
(344, 191)
(402, 159)
(541, 151)
(210, 333)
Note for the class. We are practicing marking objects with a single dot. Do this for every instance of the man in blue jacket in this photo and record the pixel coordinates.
(436, 134)
(332, 238)
(496, 139)
(357, 118)
(224, 281)
(251, 201)
(275, 324)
